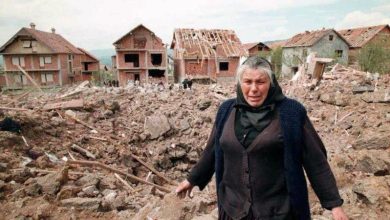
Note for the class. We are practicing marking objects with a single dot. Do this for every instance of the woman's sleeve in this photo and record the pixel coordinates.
(202, 172)
(317, 168)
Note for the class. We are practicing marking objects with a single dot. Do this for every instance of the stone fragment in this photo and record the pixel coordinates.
(156, 125)
(92, 204)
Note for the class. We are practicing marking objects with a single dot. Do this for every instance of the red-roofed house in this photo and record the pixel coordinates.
(256, 48)
(360, 37)
(140, 56)
(326, 43)
(47, 57)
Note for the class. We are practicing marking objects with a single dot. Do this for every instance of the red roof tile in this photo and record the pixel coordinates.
(309, 38)
(358, 37)
(275, 44)
(55, 42)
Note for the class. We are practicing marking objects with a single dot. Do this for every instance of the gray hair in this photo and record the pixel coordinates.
(256, 63)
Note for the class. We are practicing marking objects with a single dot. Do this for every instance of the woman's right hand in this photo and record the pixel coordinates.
(183, 189)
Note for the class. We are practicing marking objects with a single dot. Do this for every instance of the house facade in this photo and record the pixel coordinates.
(360, 37)
(325, 43)
(206, 54)
(140, 56)
(47, 57)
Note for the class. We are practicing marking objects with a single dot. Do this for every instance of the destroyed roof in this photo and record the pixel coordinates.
(205, 43)
(309, 38)
(88, 54)
(54, 41)
(358, 37)
(132, 30)
(249, 46)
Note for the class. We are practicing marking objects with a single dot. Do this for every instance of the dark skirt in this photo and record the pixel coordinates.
(222, 215)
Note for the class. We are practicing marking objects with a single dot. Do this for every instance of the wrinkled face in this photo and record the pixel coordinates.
(255, 85)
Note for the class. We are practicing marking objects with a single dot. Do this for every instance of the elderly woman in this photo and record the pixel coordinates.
(259, 145)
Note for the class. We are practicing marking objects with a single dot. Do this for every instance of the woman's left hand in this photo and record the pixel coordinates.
(339, 214)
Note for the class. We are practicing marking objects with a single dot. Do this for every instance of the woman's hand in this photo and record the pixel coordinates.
(183, 189)
(338, 214)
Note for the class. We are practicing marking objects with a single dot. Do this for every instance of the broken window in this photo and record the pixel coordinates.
(156, 59)
(223, 66)
(18, 61)
(156, 73)
(26, 44)
(86, 66)
(339, 53)
(136, 77)
(132, 58)
(331, 37)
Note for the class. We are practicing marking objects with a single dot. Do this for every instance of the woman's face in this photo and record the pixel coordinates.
(255, 85)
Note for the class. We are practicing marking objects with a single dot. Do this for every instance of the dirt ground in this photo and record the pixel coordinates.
(87, 148)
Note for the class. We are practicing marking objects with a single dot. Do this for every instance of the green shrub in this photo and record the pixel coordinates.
(375, 57)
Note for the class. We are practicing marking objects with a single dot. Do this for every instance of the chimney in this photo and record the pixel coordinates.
(32, 25)
(53, 30)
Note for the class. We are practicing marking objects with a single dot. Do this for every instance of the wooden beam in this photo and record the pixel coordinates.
(130, 176)
(13, 109)
(72, 104)
(30, 78)
(21, 96)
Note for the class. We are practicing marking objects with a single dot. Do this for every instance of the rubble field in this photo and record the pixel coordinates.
(86, 152)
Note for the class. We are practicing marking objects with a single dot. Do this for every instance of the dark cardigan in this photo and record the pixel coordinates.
(292, 117)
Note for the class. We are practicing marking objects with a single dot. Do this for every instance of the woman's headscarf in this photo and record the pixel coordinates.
(250, 121)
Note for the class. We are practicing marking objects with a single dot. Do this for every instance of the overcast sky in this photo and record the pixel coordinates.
(96, 24)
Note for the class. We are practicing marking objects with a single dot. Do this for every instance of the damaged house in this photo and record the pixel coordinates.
(206, 54)
(360, 37)
(256, 48)
(140, 56)
(47, 57)
(325, 43)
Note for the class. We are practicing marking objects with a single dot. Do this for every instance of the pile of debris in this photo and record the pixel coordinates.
(88, 152)
(350, 110)
(103, 152)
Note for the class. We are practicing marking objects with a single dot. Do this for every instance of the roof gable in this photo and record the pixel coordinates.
(309, 38)
(55, 42)
(135, 29)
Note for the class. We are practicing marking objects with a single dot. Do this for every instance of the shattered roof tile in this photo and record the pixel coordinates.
(358, 37)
